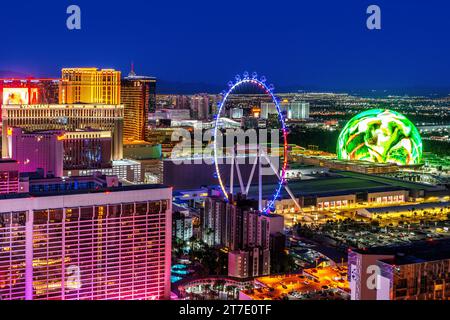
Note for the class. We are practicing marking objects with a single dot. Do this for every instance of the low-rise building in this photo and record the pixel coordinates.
(9, 176)
(418, 271)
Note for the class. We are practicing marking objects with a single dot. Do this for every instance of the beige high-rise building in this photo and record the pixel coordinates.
(89, 85)
(137, 96)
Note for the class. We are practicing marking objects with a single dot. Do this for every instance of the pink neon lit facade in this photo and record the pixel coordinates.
(37, 150)
(88, 246)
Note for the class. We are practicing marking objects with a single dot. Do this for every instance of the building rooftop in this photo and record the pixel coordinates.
(135, 77)
(328, 186)
(405, 208)
(387, 180)
(341, 183)
(73, 192)
(422, 251)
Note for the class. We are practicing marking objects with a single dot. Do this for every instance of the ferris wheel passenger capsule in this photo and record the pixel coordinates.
(246, 75)
(238, 77)
(254, 75)
(230, 83)
(263, 79)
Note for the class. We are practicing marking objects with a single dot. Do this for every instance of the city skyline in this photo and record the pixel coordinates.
(94, 147)
(232, 151)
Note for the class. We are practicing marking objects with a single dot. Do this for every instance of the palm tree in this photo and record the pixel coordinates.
(230, 291)
(219, 285)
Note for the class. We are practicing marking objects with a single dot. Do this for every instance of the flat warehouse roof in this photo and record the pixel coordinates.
(387, 180)
(328, 186)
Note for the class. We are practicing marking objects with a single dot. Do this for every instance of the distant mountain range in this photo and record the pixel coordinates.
(12, 74)
(173, 87)
(168, 87)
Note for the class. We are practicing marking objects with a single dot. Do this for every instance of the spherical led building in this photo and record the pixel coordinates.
(381, 136)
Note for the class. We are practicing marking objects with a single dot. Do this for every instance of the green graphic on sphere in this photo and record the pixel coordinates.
(381, 136)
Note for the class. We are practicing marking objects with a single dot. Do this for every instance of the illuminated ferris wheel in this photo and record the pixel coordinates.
(260, 154)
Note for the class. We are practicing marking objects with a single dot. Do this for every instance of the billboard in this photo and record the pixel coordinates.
(15, 96)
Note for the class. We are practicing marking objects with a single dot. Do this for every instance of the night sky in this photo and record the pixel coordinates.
(320, 44)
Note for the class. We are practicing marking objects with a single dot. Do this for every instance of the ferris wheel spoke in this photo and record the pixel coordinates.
(251, 175)
(232, 175)
(286, 187)
(241, 183)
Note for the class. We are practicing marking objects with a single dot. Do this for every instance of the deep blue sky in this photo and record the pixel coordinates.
(316, 44)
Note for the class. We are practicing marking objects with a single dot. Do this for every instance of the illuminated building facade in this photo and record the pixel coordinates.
(405, 211)
(236, 113)
(89, 85)
(149, 156)
(69, 118)
(294, 110)
(87, 149)
(414, 279)
(152, 170)
(113, 243)
(9, 176)
(235, 225)
(251, 238)
(182, 226)
(388, 196)
(214, 221)
(347, 165)
(418, 271)
(138, 95)
(43, 150)
(200, 106)
(29, 91)
(182, 102)
(252, 262)
(127, 170)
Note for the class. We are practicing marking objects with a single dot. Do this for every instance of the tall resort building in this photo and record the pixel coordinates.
(92, 244)
(89, 85)
(138, 95)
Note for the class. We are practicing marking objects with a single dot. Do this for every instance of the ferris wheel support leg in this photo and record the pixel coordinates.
(241, 183)
(251, 175)
(285, 185)
(232, 174)
(260, 207)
